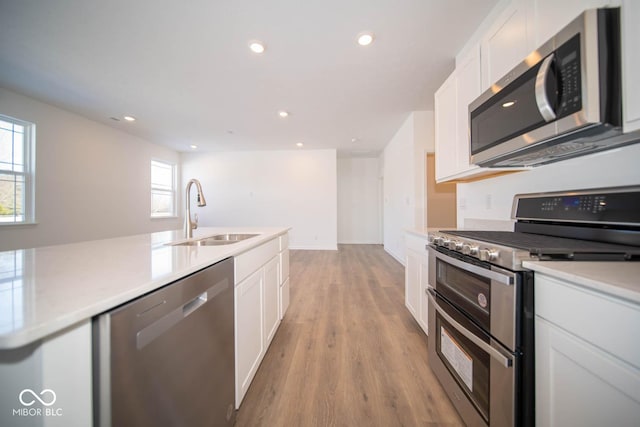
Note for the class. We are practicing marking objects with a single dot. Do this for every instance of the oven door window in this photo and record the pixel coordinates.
(470, 292)
(465, 361)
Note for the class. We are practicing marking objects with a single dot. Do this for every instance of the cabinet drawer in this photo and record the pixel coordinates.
(604, 321)
(252, 260)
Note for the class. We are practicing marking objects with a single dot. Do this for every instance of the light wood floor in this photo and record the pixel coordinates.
(348, 353)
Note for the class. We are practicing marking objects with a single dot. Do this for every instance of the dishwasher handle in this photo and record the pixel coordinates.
(149, 333)
(194, 304)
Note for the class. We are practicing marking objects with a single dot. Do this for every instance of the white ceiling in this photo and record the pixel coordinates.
(184, 70)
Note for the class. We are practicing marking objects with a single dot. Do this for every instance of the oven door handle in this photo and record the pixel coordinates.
(489, 274)
(470, 336)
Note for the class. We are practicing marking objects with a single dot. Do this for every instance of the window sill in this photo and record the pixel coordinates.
(18, 224)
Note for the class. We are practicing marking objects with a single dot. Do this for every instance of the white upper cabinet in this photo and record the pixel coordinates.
(452, 118)
(468, 71)
(550, 16)
(507, 42)
(451, 102)
(445, 102)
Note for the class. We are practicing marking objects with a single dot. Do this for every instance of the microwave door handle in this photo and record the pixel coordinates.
(505, 361)
(544, 106)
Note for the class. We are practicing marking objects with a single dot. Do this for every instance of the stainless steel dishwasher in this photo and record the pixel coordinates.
(167, 358)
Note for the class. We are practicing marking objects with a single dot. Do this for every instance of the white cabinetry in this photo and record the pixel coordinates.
(257, 308)
(550, 16)
(452, 118)
(271, 298)
(416, 278)
(284, 275)
(507, 42)
(249, 331)
(587, 356)
(446, 129)
(60, 363)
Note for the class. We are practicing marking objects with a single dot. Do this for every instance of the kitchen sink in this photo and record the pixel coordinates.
(217, 240)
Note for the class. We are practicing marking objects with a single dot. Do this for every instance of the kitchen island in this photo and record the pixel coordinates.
(51, 295)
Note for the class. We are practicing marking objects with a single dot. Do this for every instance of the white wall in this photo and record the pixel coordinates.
(92, 181)
(492, 198)
(404, 180)
(359, 200)
(269, 188)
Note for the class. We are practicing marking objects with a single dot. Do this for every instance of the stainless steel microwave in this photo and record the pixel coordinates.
(562, 101)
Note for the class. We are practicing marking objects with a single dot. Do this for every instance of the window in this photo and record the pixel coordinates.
(163, 189)
(16, 171)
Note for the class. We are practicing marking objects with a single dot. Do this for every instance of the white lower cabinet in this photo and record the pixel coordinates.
(587, 357)
(258, 307)
(271, 298)
(249, 331)
(56, 370)
(284, 275)
(416, 278)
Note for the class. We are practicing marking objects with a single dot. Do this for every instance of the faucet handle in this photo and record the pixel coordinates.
(195, 221)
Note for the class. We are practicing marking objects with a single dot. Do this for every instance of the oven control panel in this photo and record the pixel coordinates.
(597, 207)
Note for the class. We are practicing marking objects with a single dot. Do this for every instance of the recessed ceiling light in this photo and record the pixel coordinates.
(256, 46)
(193, 146)
(365, 38)
(300, 144)
(283, 114)
(129, 118)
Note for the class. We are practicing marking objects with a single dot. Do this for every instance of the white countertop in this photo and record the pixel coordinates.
(619, 279)
(45, 290)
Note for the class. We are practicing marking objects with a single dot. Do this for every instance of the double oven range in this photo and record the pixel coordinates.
(481, 297)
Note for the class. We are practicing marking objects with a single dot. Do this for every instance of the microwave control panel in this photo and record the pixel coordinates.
(569, 77)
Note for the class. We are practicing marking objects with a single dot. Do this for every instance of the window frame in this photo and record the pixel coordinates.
(160, 190)
(28, 174)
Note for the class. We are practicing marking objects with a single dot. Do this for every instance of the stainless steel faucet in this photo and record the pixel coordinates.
(190, 225)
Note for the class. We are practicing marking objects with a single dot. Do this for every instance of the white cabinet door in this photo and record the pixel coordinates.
(423, 319)
(587, 357)
(416, 278)
(284, 282)
(507, 43)
(631, 64)
(271, 299)
(284, 298)
(412, 282)
(446, 128)
(469, 88)
(250, 340)
(578, 384)
(550, 16)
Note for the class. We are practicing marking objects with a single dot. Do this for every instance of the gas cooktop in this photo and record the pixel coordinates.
(591, 225)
